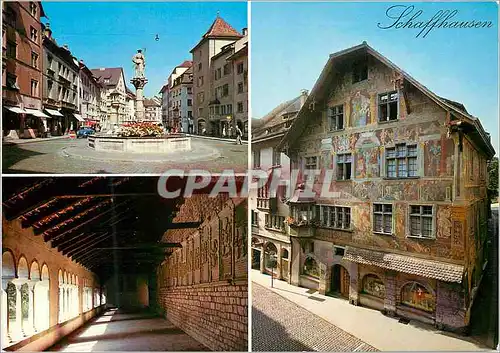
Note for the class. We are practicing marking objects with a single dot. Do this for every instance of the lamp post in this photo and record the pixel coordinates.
(273, 265)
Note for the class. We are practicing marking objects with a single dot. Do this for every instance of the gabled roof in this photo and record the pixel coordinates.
(111, 73)
(273, 123)
(219, 29)
(151, 103)
(320, 91)
(186, 63)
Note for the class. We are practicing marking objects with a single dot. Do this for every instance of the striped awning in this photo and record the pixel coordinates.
(16, 110)
(53, 112)
(78, 117)
(37, 113)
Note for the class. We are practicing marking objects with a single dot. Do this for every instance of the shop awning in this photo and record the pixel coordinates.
(16, 110)
(78, 117)
(442, 271)
(54, 112)
(37, 113)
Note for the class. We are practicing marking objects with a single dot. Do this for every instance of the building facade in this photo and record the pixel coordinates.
(61, 79)
(152, 111)
(217, 37)
(114, 93)
(181, 102)
(22, 70)
(130, 106)
(239, 63)
(90, 96)
(164, 103)
(397, 217)
(268, 215)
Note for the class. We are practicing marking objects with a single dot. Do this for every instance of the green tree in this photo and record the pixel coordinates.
(493, 180)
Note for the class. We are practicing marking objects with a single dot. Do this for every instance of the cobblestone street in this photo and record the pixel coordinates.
(74, 157)
(280, 325)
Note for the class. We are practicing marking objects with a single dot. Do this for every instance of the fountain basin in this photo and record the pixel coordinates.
(167, 144)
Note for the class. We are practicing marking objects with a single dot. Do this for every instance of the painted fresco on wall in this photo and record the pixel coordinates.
(344, 143)
(434, 190)
(360, 109)
(367, 163)
(400, 219)
(432, 158)
(444, 225)
(400, 191)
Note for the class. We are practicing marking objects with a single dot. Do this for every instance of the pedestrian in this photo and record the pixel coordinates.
(224, 132)
(238, 135)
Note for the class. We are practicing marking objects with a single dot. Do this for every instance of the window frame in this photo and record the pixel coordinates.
(34, 59)
(397, 158)
(343, 163)
(11, 44)
(333, 212)
(333, 115)
(421, 216)
(272, 219)
(33, 33)
(387, 104)
(383, 213)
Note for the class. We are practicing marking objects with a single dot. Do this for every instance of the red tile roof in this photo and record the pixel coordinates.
(221, 28)
(111, 73)
(186, 63)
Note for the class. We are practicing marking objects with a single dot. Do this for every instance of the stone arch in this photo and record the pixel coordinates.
(45, 273)
(373, 284)
(35, 271)
(8, 264)
(419, 295)
(340, 278)
(311, 266)
(22, 268)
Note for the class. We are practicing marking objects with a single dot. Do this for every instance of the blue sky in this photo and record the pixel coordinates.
(459, 64)
(109, 34)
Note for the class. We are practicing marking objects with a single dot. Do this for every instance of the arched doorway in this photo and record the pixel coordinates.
(256, 253)
(340, 281)
(270, 257)
(201, 127)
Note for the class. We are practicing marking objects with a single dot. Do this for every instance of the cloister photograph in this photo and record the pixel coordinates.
(106, 263)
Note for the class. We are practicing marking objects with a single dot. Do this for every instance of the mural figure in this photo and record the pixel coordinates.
(360, 110)
(432, 158)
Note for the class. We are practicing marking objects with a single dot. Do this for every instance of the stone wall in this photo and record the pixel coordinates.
(203, 287)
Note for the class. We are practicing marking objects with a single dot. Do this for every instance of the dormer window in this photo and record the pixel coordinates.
(359, 71)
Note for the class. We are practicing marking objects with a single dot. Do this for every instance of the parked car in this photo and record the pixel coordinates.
(85, 132)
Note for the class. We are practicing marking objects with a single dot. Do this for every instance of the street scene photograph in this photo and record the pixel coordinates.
(92, 264)
(140, 88)
(380, 123)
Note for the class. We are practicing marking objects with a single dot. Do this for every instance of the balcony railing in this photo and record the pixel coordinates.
(267, 204)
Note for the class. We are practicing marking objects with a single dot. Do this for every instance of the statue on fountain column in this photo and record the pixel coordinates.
(140, 63)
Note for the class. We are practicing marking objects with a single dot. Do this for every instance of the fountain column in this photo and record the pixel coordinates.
(139, 83)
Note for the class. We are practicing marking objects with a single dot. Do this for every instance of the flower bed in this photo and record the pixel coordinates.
(141, 130)
(292, 222)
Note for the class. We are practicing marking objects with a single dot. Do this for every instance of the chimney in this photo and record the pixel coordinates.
(245, 31)
(47, 31)
(303, 96)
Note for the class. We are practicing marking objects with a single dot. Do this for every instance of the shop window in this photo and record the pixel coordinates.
(373, 285)
(388, 106)
(382, 218)
(401, 161)
(311, 267)
(416, 295)
(336, 117)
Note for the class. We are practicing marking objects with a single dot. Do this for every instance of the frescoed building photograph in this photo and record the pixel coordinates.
(170, 91)
(396, 136)
(107, 264)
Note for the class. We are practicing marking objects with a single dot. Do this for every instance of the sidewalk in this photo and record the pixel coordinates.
(370, 326)
(38, 139)
(217, 138)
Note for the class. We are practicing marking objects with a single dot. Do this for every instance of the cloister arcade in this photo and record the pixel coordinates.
(26, 297)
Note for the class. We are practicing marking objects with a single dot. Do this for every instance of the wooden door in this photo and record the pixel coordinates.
(344, 282)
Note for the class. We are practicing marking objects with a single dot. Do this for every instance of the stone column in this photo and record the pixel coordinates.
(262, 260)
(139, 83)
(295, 262)
(16, 331)
(390, 293)
(278, 257)
(60, 304)
(5, 314)
(31, 308)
